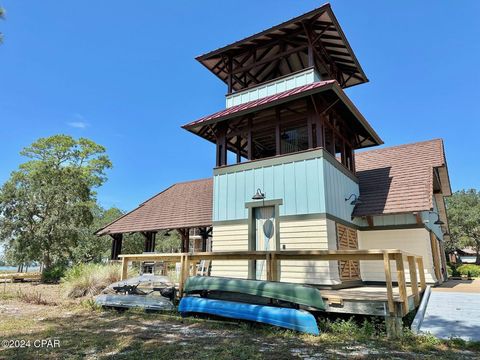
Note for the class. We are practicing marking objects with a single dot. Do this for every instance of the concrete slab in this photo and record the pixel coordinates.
(453, 314)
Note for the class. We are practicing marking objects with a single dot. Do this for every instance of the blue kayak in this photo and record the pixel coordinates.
(293, 319)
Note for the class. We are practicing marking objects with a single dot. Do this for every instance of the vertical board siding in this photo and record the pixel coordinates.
(273, 87)
(338, 187)
(416, 241)
(311, 186)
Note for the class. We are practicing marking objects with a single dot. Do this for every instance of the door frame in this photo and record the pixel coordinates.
(251, 206)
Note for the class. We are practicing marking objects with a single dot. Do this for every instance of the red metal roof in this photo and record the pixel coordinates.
(256, 103)
(285, 96)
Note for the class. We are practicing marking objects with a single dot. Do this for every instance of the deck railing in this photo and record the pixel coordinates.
(272, 258)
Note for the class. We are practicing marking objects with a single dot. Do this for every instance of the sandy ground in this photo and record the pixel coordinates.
(87, 333)
(467, 286)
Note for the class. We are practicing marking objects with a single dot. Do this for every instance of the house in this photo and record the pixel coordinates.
(302, 178)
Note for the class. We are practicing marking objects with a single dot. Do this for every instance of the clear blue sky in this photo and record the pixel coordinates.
(123, 74)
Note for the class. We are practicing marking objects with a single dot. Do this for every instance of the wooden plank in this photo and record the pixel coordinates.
(421, 271)
(436, 257)
(124, 268)
(181, 277)
(402, 287)
(388, 282)
(412, 267)
(275, 267)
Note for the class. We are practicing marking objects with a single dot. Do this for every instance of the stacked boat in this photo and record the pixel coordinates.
(275, 303)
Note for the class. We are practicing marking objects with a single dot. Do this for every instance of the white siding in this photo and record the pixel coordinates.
(309, 234)
(314, 234)
(230, 238)
(416, 241)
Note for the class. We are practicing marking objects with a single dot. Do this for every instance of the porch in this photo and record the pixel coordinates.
(393, 300)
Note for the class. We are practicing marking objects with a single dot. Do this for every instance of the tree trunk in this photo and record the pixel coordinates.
(47, 262)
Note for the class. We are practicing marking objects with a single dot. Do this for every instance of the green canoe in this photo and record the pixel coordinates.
(288, 292)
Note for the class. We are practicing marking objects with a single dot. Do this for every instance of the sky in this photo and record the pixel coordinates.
(123, 74)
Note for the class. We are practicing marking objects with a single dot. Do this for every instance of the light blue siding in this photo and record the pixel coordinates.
(338, 187)
(272, 87)
(307, 186)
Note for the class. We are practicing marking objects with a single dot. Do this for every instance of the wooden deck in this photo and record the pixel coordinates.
(13, 277)
(366, 300)
(370, 300)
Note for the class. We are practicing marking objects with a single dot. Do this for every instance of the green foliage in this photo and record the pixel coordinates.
(54, 273)
(353, 327)
(89, 247)
(469, 270)
(464, 220)
(48, 201)
(168, 244)
(89, 279)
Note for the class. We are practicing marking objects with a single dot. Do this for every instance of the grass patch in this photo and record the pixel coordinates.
(89, 279)
(33, 297)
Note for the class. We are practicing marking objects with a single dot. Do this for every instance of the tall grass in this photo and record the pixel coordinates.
(89, 279)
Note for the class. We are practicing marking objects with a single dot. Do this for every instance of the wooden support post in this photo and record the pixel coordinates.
(402, 287)
(116, 246)
(421, 271)
(269, 266)
(181, 276)
(249, 140)
(239, 149)
(394, 326)
(124, 269)
(388, 281)
(275, 268)
(412, 267)
(278, 135)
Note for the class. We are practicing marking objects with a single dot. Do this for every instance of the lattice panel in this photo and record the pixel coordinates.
(347, 240)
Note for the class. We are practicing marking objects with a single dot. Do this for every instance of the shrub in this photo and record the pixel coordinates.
(54, 273)
(89, 279)
(33, 297)
(449, 270)
(469, 270)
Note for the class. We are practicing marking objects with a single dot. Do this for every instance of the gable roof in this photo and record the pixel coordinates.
(400, 179)
(182, 205)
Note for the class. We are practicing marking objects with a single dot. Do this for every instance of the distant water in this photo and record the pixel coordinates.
(14, 268)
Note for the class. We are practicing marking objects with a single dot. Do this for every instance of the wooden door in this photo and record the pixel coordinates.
(347, 240)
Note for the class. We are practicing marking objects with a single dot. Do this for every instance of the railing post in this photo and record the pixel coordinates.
(275, 274)
(124, 268)
(268, 264)
(412, 267)
(388, 281)
(181, 277)
(421, 271)
(402, 287)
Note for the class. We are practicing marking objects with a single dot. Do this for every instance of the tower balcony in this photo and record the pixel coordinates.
(273, 87)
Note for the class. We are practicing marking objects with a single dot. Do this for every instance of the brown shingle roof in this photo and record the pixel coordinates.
(182, 205)
(398, 179)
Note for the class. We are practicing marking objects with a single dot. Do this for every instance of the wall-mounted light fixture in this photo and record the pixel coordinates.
(258, 195)
(356, 199)
(438, 221)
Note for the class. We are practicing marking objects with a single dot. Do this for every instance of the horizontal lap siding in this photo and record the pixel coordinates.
(306, 235)
(415, 241)
(230, 238)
